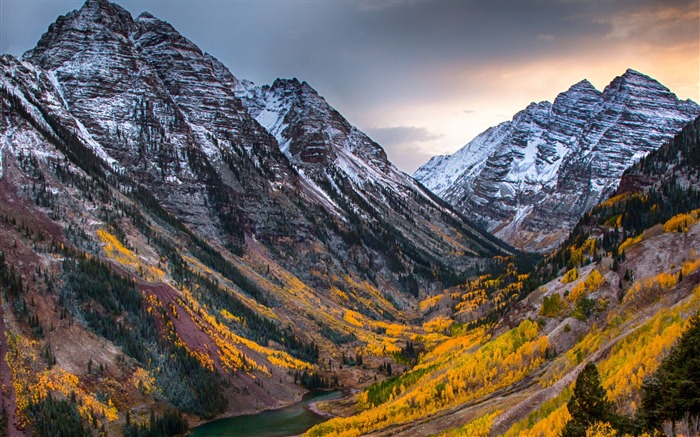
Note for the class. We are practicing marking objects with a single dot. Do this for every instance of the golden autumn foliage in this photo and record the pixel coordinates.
(58, 380)
(583, 288)
(232, 357)
(681, 222)
(118, 252)
(601, 429)
(21, 358)
(144, 381)
(690, 266)
(587, 248)
(364, 293)
(548, 419)
(479, 427)
(646, 290)
(631, 241)
(550, 426)
(467, 365)
(153, 307)
(648, 233)
(488, 294)
(430, 302)
(456, 377)
(32, 384)
(380, 346)
(472, 300)
(570, 276)
(230, 317)
(615, 199)
(455, 346)
(354, 318)
(339, 294)
(438, 324)
(636, 355)
(577, 292)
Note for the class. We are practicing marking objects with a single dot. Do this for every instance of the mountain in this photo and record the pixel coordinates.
(178, 245)
(529, 180)
(176, 238)
(168, 113)
(352, 171)
(619, 293)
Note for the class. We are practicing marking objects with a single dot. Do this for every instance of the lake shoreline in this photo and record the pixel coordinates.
(293, 419)
(314, 408)
(196, 422)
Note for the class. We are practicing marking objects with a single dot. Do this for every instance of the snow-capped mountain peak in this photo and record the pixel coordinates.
(529, 180)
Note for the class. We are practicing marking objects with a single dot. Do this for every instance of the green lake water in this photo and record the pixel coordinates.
(292, 420)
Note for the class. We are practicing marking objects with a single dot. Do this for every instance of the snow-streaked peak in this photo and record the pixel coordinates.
(40, 94)
(234, 161)
(544, 168)
(335, 158)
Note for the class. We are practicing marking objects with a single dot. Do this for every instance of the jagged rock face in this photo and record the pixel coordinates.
(281, 168)
(202, 88)
(156, 102)
(529, 180)
(308, 129)
(35, 93)
(118, 96)
(353, 177)
(245, 155)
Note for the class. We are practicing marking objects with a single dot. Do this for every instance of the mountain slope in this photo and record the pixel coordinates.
(156, 238)
(530, 179)
(618, 293)
(168, 114)
(353, 173)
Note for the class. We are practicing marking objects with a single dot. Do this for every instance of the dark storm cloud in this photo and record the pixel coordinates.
(393, 63)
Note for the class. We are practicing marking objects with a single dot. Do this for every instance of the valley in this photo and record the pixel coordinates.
(182, 251)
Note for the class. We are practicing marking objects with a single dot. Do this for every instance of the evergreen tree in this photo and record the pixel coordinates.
(674, 389)
(56, 418)
(588, 405)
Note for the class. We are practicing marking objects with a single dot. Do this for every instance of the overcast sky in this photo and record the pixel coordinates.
(421, 77)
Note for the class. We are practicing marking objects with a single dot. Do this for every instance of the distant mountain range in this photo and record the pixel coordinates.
(263, 231)
(177, 243)
(529, 180)
(275, 164)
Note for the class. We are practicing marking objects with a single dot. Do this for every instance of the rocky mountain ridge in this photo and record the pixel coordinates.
(529, 180)
(174, 240)
(169, 114)
(346, 167)
(150, 212)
